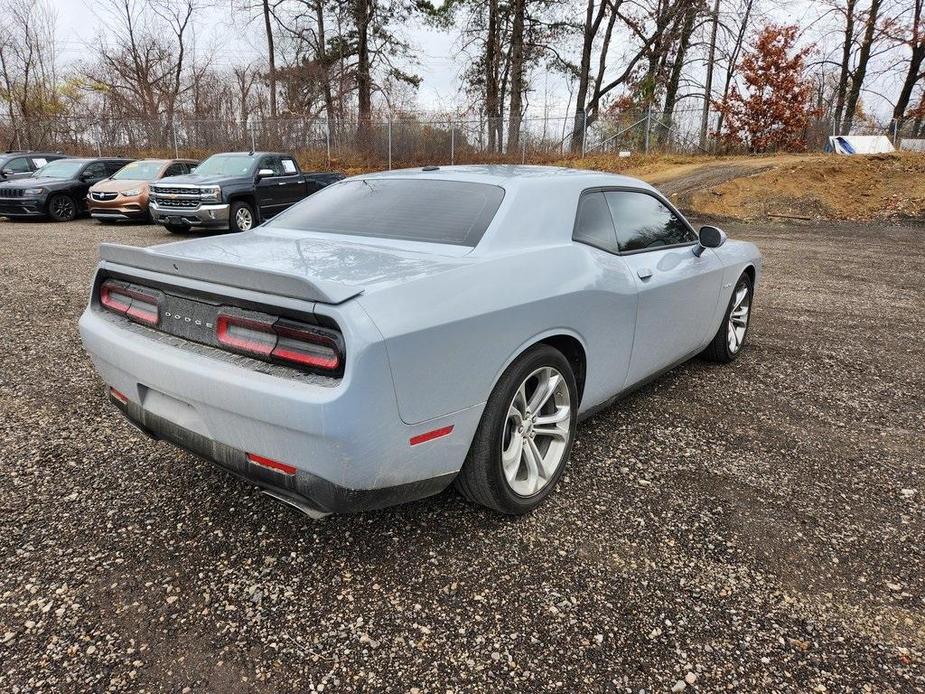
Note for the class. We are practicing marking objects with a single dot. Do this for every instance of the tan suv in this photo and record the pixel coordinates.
(124, 196)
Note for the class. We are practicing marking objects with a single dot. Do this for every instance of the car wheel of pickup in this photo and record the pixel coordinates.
(242, 216)
(730, 338)
(525, 435)
(62, 208)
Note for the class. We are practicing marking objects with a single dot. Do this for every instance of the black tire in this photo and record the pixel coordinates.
(719, 350)
(482, 479)
(62, 207)
(177, 228)
(236, 207)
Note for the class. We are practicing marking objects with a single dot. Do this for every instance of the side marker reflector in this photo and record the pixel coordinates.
(121, 397)
(431, 435)
(271, 464)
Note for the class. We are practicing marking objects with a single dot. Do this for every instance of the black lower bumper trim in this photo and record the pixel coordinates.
(316, 492)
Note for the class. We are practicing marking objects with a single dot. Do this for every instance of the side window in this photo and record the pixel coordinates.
(289, 166)
(273, 164)
(39, 162)
(113, 166)
(177, 169)
(642, 221)
(94, 171)
(593, 224)
(18, 166)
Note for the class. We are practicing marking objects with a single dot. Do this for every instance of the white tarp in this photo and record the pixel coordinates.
(859, 144)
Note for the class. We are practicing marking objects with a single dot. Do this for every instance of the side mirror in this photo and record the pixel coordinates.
(709, 237)
(264, 173)
(4, 173)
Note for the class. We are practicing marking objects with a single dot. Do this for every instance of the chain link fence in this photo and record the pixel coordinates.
(390, 142)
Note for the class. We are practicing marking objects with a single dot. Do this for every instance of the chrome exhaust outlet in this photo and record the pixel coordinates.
(312, 513)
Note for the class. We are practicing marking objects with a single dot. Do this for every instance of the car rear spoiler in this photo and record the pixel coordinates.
(228, 274)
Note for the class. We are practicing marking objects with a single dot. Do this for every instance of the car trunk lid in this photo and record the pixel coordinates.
(319, 268)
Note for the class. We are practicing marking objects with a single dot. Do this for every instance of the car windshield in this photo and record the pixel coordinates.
(62, 168)
(226, 165)
(412, 209)
(139, 171)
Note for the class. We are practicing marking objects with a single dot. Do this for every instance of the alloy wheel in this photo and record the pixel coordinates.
(62, 207)
(536, 432)
(243, 219)
(738, 317)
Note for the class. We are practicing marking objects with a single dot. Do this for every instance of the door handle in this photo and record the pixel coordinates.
(644, 273)
(281, 183)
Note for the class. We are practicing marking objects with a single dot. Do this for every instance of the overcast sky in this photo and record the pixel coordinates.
(230, 42)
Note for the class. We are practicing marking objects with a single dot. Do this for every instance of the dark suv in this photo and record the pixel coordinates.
(57, 190)
(22, 164)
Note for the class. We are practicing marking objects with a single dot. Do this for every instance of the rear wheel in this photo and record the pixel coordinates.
(730, 338)
(62, 208)
(525, 436)
(242, 216)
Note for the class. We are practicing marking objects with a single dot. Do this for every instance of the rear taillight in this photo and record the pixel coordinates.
(282, 340)
(139, 304)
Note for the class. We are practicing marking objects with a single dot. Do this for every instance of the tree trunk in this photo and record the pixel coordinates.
(517, 76)
(271, 58)
(584, 72)
(362, 13)
(674, 79)
(857, 80)
(492, 60)
(326, 67)
(708, 86)
(734, 59)
(914, 73)
(842, 90)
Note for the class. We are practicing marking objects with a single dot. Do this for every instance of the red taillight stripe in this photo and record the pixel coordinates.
(431, 435)
(118, 395)
(271, 464)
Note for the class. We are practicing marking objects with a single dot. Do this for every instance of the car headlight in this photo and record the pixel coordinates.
(210, 193)
(131, 193)
(33, 191)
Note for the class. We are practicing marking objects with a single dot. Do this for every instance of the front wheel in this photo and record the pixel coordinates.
(242, 216)
(730, 338)
(62, 208)
(525, 435)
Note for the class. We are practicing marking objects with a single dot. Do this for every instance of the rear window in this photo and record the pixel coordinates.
(452, 212)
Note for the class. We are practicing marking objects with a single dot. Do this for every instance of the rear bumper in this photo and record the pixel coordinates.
(201, 216)
(300, 490)
(346, 438)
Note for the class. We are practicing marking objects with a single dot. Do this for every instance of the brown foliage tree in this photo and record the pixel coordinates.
(776, 107)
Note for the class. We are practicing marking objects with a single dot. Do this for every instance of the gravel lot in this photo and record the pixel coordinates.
(757, 526)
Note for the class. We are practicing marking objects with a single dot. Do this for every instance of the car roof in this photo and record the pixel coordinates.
(511, 175)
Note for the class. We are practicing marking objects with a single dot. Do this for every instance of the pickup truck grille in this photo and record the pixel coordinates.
(103, 196)
(175, 190)
(176, 204)
(11, 192)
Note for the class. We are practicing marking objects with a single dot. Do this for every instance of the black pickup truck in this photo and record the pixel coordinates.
(235, 191)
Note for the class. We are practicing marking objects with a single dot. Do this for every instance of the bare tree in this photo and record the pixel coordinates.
(912, 36)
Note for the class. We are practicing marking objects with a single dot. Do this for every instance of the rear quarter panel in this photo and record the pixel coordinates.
(449, 337)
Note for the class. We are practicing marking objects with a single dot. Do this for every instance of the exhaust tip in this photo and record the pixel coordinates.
(304, 508)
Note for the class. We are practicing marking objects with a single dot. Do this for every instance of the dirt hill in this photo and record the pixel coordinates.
(811, 186)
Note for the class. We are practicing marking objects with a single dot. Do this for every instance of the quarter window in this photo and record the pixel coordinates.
(643, 222)
(593, 224)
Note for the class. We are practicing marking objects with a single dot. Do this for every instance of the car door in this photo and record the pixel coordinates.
(18, 167)
(269, 189)
(293, 181)
(677, 290)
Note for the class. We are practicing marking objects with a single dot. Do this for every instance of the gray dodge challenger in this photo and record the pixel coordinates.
(400, 332)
